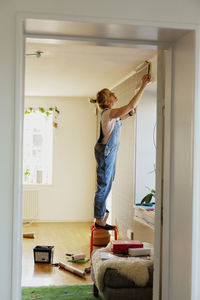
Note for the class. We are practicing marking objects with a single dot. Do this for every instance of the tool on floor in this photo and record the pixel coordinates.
(71, 269)
(29, 235)
(77, 258)
(55, 264)
(87, 270)
(69, 254)
(43, 254)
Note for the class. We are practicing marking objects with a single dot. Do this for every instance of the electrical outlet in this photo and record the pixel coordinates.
(130, 234)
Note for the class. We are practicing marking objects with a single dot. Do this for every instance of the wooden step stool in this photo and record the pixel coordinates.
(100, 243)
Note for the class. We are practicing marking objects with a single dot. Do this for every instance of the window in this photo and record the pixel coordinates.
(146, 144)
(37, 152)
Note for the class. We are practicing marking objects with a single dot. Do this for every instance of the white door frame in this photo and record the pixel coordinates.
(165, 188)
(160, 136)
(195, 288)
(19, 105)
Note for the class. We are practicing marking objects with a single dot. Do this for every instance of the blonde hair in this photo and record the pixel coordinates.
(101, 98)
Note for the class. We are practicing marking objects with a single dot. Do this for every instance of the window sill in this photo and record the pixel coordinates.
(35, 187)
(144, 214)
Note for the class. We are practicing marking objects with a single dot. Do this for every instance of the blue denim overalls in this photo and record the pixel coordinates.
(106, 156)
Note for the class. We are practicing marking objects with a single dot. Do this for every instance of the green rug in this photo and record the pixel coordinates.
(76, 292)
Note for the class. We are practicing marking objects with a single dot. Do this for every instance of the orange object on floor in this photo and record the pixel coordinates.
(93, 228)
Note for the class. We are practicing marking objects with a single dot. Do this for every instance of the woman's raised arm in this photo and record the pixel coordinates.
(124, 110)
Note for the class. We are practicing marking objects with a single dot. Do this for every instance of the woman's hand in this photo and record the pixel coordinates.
(145, 80)
(132, 112)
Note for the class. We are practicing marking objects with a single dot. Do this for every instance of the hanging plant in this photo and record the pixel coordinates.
(56, 113)
(29, 110)
(47, 112)
(27, 172)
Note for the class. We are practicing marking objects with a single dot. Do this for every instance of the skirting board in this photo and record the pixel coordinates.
(60, 221)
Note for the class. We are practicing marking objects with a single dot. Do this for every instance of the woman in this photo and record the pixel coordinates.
(107, 146)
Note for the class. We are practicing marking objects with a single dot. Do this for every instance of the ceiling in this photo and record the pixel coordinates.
(71, 68)
(80, 58)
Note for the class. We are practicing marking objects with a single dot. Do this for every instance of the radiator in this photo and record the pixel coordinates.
(30, 205)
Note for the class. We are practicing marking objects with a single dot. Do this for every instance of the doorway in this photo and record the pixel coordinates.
(65, 184)
(148, 42)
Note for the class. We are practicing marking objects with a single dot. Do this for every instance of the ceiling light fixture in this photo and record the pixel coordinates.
(37, 54)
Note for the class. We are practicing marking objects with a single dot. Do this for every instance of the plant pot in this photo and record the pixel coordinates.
(55, 124)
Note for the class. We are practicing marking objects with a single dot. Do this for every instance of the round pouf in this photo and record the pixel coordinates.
(101, 237)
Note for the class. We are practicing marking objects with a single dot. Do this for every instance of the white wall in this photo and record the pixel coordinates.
(143, 231)
(123, 191)
(70, 197)
(127, 11)
(7, 63)
(181, 198)
(123, 185)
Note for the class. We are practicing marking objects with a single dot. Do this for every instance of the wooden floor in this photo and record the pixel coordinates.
(66, 238)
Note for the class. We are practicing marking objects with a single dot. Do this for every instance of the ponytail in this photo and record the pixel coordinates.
(93, 100)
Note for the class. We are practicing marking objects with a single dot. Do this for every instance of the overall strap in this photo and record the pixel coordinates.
(101, 131)
(104, 111)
